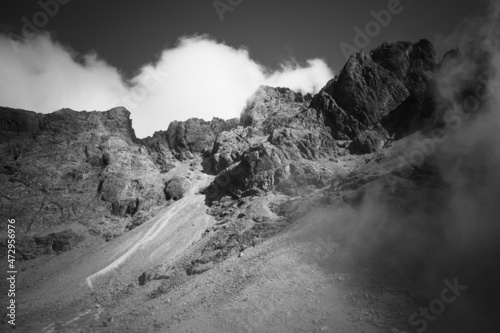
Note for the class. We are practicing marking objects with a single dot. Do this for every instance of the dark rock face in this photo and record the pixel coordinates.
(411, 115)
(19, 122)
(342, 125)
(412, 64)
(388, 86)
(417, 63)
(366, 90)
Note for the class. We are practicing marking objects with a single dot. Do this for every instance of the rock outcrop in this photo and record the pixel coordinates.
(268, 101)
(185, 138)
(390, 86)
(278, 131)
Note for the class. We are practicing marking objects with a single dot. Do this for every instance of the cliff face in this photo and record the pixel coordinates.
(74, 167)
(386, 87)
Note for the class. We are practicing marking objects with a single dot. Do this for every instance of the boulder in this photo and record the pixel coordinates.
(176, 188)
(367, 142)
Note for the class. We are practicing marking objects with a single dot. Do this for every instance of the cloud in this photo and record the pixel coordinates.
(305, 79)
(199, 77)
(43, 76)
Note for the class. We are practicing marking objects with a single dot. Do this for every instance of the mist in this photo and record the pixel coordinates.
(198, 77)
(441, 219)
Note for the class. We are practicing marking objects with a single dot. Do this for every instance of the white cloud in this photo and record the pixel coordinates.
(43, 76)
(198, 78)
(305, 79)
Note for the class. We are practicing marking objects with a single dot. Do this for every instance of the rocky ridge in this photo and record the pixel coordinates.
(109, 181)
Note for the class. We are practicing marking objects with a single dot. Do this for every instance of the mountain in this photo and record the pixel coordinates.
(344, 211)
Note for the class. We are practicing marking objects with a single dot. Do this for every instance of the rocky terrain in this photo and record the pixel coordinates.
(339, 212)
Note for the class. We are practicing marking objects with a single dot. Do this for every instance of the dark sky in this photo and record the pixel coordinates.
(130, 33)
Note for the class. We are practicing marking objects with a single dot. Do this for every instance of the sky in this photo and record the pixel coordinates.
(172, 60)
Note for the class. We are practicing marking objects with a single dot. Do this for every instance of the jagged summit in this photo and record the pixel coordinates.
(102, 167)
(278, 131)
